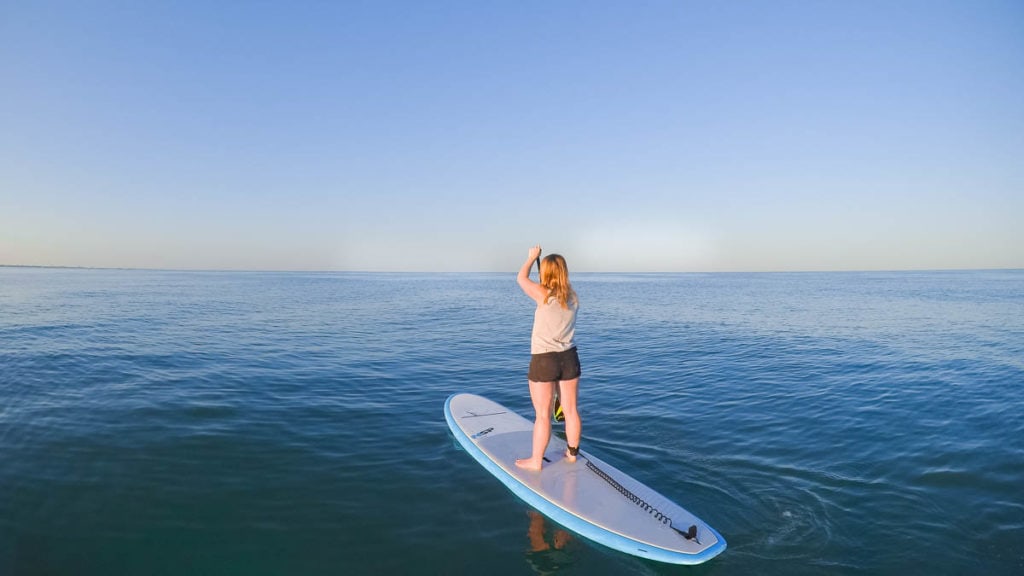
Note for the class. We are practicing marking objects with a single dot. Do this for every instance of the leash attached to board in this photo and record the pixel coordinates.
(690, 534)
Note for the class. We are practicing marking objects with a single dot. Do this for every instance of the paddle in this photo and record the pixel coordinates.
(556, 403)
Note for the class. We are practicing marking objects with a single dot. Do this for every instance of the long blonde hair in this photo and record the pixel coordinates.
(554, 275)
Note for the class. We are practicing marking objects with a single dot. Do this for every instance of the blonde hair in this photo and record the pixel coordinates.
(554, 275)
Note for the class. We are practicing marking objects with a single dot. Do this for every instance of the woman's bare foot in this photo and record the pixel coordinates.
(528, 464)
(569, 456)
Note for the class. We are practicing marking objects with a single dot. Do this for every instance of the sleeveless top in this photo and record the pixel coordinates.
(553, 327)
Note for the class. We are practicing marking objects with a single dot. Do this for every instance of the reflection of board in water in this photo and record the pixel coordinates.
(589, 496)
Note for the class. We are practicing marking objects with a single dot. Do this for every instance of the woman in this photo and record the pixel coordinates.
(553, 361)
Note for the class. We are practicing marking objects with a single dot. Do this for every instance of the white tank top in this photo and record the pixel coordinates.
(553, 327)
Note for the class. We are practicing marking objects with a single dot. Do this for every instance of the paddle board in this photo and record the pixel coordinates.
(589, 496)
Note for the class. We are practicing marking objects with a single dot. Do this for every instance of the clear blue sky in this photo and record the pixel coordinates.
(451, 136)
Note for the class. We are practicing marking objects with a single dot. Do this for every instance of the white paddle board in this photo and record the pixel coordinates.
(589, 496)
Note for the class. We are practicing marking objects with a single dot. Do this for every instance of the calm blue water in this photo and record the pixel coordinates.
(289, 423)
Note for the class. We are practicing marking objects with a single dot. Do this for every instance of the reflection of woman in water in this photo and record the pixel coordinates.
(546, 555)
(536, 534)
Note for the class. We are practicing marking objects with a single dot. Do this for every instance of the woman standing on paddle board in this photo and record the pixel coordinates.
(553, 357)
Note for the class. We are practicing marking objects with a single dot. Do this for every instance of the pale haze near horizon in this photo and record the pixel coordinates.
(452, 136)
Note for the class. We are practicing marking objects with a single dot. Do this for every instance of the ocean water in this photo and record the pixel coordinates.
(291, 423)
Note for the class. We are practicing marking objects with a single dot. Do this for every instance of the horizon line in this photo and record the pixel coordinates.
(286, 271)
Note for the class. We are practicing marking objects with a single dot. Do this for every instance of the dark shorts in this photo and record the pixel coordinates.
(554, 366)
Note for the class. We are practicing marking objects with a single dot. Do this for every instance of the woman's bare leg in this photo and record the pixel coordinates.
(567, 390)
(541, 394)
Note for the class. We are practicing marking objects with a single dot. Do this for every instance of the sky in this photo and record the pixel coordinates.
(629, 136)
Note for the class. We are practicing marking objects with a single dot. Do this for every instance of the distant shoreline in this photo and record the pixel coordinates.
(67, 267)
